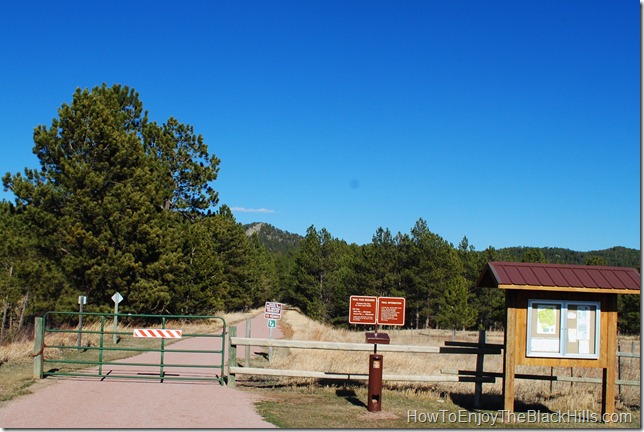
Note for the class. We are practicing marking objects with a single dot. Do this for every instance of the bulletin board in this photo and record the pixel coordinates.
(561, 328)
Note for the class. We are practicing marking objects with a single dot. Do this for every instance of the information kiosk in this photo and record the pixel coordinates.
(560, 315)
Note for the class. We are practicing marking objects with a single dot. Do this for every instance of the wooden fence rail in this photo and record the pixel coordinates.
(480, 349)
(471, 348)
(478, 377)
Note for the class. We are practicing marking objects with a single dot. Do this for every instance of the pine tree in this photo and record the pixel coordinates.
(108, 193)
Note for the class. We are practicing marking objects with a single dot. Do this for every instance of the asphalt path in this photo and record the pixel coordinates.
(88, 402)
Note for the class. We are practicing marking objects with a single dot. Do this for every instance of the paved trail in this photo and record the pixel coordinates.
(115, 403)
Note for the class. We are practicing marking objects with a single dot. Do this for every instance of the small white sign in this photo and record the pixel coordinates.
(117, 298)
(273, 307)
(544, 345)
(82, 299)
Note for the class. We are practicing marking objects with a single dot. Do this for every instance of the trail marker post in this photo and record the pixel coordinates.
(371, 310)
(116, 298)
(272, 312)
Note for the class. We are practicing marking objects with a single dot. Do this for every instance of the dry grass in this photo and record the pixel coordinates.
(556, 396)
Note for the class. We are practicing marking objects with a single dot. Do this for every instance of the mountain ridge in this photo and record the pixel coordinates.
(280, 241)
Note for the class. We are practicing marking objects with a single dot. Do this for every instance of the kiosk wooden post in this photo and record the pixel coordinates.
(509, 343)
(560, 315)
(608, 373)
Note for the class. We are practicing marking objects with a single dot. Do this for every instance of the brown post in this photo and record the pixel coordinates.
(608, 375)
(478, 386)
(509, 352)
(374, 396)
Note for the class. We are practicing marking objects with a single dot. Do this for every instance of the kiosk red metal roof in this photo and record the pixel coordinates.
(560, 277)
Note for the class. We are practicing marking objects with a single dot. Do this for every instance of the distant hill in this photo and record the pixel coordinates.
(273, 239)
(616, 256)
(280, 241)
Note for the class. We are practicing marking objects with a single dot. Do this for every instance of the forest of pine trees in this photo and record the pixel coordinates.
(121, 203)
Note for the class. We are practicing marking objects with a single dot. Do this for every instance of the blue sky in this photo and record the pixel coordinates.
(513, 123)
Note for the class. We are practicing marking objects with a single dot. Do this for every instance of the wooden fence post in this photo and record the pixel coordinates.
(39, 344)
(247, 349)
(478, 386)
(619, 367)
(232, 355)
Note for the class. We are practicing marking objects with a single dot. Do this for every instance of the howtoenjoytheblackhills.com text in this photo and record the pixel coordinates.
(493, 418)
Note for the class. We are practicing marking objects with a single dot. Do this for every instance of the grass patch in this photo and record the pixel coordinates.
(344, 407)
(15, 378)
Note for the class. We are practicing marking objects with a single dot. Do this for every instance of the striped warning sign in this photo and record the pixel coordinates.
(157, 333)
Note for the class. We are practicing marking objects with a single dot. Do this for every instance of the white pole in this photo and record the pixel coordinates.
(116, 323)
(270, 348)
(80, 322)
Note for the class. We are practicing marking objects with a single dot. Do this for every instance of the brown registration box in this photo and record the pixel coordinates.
(377, 338)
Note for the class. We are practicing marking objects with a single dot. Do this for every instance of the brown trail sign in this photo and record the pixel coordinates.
(362, 310)
(391, 311)
(376, 310)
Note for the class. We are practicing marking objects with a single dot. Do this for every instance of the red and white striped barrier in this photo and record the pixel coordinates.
(157, 333)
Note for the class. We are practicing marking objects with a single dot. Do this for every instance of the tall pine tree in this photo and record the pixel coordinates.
(108, 194)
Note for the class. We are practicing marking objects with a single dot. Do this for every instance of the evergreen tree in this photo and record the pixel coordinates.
(490, 303)
(101, 199)
(234, 250)
(379, 265)
(263, 274)
(454, 309)
(534, 255)
(436, 268)
(317, 278)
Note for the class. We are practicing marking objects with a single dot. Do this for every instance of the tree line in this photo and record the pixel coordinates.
(122, 203)
(438, 279)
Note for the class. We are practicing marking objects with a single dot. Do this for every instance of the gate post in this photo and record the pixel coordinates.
(232, 355)
(38, 347)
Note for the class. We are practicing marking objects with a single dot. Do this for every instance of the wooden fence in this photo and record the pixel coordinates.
(478, 376)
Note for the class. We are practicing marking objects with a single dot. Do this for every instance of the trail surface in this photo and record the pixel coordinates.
(119, 403)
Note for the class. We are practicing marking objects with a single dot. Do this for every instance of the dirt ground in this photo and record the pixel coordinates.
(87, 402)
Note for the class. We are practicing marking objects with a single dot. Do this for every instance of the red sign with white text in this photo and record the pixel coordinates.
(391, 311)
(362, 309)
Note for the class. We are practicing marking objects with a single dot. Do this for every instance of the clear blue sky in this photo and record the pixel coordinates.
(514, 123)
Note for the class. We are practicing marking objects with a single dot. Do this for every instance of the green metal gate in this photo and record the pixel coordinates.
(97, 347)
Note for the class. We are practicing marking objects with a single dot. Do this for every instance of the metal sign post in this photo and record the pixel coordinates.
(116, 298)
(372, 310)
(272, 312)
